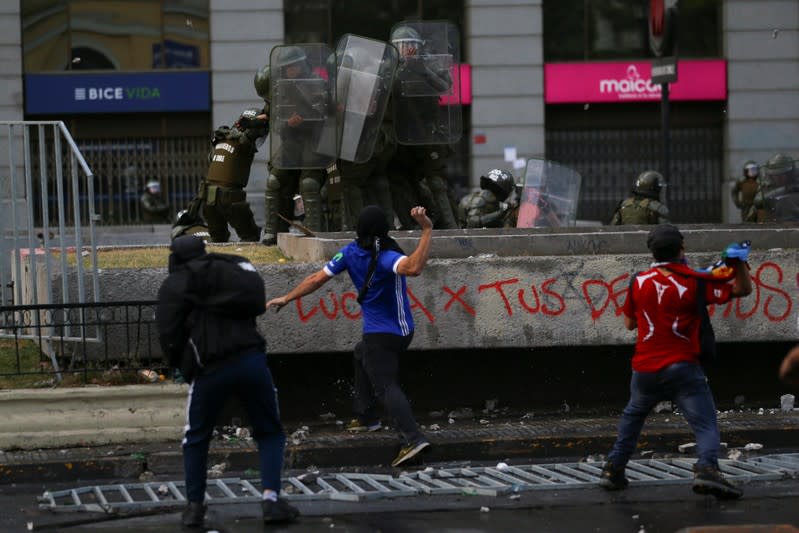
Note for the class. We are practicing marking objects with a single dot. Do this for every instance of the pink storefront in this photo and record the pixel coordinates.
(604, 119)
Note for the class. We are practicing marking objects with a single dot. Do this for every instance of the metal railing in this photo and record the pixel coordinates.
(47, 217)
(78, 338)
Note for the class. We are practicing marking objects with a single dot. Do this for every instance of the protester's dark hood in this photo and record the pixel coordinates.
(184, 249)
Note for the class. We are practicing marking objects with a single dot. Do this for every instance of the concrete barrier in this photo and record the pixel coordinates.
(53, 418)
(515, 288)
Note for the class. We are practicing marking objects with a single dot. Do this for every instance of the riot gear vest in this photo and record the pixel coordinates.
(636, 210)
(230, 163)
(481, 209)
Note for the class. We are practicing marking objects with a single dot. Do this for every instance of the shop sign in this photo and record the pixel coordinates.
(631, 81)
(78, 93)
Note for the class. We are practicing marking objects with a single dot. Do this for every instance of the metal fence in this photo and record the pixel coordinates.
(78, 338)
(122, 168)
(610, 160)
(47, 218)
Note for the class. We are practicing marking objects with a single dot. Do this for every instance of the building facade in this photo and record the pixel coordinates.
(526, 59)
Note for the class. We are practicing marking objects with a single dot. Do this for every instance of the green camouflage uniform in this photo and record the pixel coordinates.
(482, 209)
(640, 210)
(222, 192)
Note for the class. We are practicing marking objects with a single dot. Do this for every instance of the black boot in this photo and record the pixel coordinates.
(193, 514)
(278, 511)
(708, 480)
(612, 477)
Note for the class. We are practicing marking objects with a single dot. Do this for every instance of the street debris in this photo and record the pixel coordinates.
(687, 447)
(464, 412)
(435, 427)
(663, 407)
(484, 509)
(327, 416)
(451, 421)
(484, 421)
(565, 407)
(753, 446)
(502, 466)
(787, 402)
(734, 454)
(218, 470)
(146, 476)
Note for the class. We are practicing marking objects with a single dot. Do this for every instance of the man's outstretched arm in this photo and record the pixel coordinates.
(305, 287)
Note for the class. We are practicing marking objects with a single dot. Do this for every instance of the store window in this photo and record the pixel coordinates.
(122, 35)
(585, 30)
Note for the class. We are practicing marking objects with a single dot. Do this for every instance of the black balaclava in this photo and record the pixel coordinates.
(372, 234)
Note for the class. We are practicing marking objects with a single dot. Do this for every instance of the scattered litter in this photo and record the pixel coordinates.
(663, 407)
(149, 375)
(484, 421)
(646, 452)
(528, 415)
(146, 476)
(635, 517)
(687, 447)
(451, 420)
(428, 469)
(786, 402)
(723, 444)
(491, 405)
(435, 427)
(484, 509)
(464, 412)
(734, 454)
(515, 496)
(761, 411)
(595, 458)
(243, 433)
(502, 466)
(339, 422)
(753, 446)
(163, 490)
(327, 416)
(217, 471)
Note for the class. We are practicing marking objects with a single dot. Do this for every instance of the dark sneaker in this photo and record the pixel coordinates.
(708, 480)
(193, 514)
(612, 477)
(279, 511)
(356, 426)
(409, 451)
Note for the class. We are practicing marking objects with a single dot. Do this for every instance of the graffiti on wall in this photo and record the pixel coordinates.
(570, 292)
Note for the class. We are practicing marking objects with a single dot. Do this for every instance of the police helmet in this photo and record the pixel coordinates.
(220, 134)
(649, 184)
(779, 164)
(751, 169)
(499, 182)
(263, 77)
(289, 55)
(153, 187)
(405, 37)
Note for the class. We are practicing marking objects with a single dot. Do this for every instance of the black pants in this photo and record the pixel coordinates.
(376, 378)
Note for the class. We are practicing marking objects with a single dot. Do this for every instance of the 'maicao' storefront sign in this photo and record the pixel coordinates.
(117, 92)
(631, 81)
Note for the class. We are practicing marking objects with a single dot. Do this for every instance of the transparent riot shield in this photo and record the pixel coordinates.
(550, 194)
(302, 126)
(426, 93)
(365, 72)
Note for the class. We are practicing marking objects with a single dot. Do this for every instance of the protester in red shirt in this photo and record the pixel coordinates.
(662, 305)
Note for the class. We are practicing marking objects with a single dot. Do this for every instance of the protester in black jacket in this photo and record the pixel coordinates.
(206, 322)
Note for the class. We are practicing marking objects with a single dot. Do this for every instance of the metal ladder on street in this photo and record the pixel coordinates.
(353, 487)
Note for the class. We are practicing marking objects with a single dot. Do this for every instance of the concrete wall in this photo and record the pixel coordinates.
(540, 295)
(761, 44)
(10, 62)
(505, 48)
(242, 34)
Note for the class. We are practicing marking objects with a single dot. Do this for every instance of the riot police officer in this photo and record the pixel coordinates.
(294, 167)
(418, 171)
(488, 207)
(778, 197)
(154, 206)
(744, 190)
(222, 191)
(644, 206)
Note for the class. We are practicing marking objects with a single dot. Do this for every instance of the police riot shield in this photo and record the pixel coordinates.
(365, 72)
(779, 192)
(426, 102)
(302, 126)
(550, 194)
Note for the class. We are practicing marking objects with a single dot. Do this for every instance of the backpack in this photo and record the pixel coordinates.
(707, 337)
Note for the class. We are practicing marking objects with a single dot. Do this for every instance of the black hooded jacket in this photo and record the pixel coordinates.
(207, 307)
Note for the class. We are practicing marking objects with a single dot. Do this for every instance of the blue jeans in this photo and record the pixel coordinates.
(246, 375)
(686, 386)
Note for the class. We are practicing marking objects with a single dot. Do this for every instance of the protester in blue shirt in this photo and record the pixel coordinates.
(377, 267)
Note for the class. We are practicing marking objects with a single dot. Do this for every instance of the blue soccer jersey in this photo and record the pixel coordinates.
(386, 308)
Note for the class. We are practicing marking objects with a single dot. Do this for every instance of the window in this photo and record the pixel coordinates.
(584, 30)
(125, 35)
